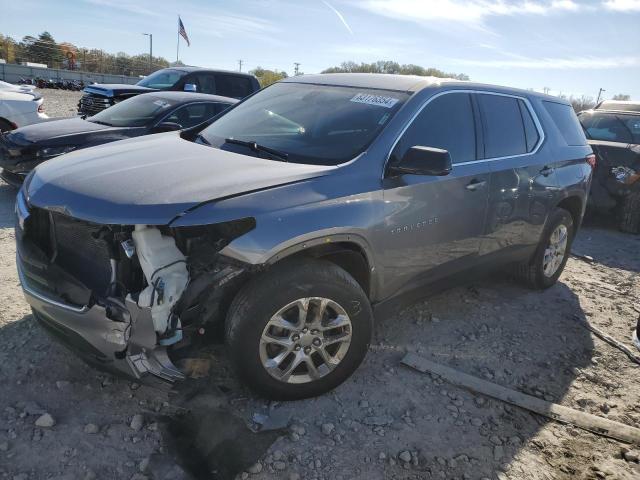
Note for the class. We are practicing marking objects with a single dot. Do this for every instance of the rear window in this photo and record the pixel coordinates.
(233, 86)
(504, 133)
(611, 127)
(565, 119)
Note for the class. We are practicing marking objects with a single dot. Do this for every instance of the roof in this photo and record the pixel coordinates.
(406, 83)
(191, 96)
(619, 106)
(212, 70)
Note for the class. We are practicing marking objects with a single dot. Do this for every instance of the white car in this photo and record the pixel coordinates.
(19, 108)
(18, 88)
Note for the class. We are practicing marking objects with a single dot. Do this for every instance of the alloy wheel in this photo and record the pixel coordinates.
(305, 340)
(555, 251)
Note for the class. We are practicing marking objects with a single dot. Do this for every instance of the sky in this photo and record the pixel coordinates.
(568, 46)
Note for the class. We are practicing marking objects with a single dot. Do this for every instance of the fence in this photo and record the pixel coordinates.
(12, 73)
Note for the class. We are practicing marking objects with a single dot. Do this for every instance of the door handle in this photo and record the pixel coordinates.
(546, 171)
(474, 185)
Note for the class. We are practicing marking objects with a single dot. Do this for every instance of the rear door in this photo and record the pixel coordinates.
(436, 223)
(523, 182)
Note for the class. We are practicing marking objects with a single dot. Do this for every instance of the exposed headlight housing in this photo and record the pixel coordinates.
(50, 152)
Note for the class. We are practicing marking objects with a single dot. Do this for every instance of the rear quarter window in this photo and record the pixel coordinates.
(567, 122)
(233, 86)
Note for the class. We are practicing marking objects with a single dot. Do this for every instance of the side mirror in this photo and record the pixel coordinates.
(190, 87)
(167, 127)
(423, 161)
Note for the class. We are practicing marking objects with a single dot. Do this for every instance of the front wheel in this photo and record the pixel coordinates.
(546, 266)
(299, 330)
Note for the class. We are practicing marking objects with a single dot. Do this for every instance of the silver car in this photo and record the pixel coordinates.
(291, 218)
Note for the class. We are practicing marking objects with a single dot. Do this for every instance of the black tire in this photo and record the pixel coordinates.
(629, 213)
(532, 272)
(264, 296)
(4, 126)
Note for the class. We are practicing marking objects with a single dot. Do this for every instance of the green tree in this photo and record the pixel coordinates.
(267, 77)
(386, 66)
(622, 96)
(42, 49)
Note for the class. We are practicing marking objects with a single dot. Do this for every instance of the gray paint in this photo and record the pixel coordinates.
(412, 229)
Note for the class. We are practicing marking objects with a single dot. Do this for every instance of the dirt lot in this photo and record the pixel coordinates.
(387, 421)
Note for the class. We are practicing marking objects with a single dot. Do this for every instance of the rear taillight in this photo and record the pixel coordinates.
(41, 108)
(591, 160)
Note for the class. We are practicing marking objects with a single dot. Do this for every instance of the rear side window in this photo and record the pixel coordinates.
(446, 122)
(233, 86)
(565, 119)
(504, 132)
(532, 136)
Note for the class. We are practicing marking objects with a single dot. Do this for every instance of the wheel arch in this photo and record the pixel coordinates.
(349, 252)
(574, 204)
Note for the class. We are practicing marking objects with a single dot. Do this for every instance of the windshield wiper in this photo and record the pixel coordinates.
(258, 148)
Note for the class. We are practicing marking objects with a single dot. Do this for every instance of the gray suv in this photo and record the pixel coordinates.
(288, 219)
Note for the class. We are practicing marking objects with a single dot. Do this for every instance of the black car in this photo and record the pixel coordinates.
(22, 149)
(238, 85)
(614, 136)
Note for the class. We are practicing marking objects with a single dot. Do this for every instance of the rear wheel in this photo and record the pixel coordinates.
(299, 330)
(629, 213)
(546, 266)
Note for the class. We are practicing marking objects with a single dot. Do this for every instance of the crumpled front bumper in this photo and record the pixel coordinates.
(124, 347)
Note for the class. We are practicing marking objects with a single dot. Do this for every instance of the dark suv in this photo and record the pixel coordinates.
(289, 218)
(238, 85)
(613, 131)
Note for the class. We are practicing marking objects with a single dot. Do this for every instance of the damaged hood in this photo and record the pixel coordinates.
(151, 180)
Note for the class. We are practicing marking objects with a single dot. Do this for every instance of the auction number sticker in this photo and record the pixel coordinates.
(379, 100)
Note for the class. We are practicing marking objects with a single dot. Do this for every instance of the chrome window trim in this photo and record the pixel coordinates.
(526, 101)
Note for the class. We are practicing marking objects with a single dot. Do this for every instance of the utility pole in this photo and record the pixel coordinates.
(240, 65)
(150, 35)
(600, 92)
(296, 68)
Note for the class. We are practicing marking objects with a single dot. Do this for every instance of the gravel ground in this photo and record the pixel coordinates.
(60, 103)
(62, 419)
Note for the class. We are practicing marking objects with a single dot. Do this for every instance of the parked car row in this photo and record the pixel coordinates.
(189, 79)
(54, 83)
(287, 219)
(25, 148)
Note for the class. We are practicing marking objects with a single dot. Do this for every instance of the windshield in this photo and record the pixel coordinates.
(138, 111)
(162, 79)
(312, 124)
(611, 127)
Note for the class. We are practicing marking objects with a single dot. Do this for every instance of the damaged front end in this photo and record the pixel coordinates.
(123, 296)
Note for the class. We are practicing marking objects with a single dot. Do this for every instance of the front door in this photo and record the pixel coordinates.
(434, 224)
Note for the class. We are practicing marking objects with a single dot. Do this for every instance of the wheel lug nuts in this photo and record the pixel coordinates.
(297, 348)
(295, 337)
(316, 342)
(304, 330)
(314, 332)
(307, 350)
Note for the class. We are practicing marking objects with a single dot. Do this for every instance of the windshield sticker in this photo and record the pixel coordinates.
(378, 100)
(162, 103)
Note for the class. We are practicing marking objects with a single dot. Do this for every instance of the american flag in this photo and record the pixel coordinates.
(183, 32)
